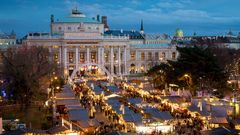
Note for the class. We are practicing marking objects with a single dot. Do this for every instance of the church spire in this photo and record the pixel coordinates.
(141, 29)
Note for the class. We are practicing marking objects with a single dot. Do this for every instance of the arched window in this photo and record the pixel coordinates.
(163, 55)
(132, 69)
(142, 68)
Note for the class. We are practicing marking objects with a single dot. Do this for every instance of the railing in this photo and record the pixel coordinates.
(45, 37)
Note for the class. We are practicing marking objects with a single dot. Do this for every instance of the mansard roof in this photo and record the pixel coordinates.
(157, 37)
(150, 45)
(132, 34)
(76, 17)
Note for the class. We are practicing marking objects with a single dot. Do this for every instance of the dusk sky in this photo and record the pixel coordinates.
(205, 17)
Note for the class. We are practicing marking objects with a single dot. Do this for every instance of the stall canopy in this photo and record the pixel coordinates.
(133, 117)
(174, 99)
(87, 123)
(135, 100)
(97, 90)
(71, 107)
(78, 115)
(194, 108)
(220, 131)
(68, 102)
(113, 89)
(218, 120)
(112, 98)
(65, 96)
(158, 114)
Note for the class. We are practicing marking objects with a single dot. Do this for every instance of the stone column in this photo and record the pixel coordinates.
(60, 55)
(125, 60)
(111, 60)
(119, 61)
(99, 55)
(88, 60)
(76, 57)
(65, 62)
(103, 56)
(65, 57)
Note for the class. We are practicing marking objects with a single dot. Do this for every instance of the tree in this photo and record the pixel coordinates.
(162, 74)
(24, 69)
(203, 67)
(194, 67)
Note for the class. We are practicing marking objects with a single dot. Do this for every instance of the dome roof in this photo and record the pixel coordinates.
(179, 33)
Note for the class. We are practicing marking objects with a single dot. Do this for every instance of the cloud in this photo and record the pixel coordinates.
(162, 12)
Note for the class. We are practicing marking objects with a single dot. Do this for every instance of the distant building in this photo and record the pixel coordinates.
(79, 43)
(179, 33)
(230, 40)
(8, 39)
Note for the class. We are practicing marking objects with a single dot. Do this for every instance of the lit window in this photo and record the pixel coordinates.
(163, 55)
(82, 58)
(142, 56)
(106, 57)
(55, 57)
(174, 55)
(70, 57)
(132, 55)
(149, 55)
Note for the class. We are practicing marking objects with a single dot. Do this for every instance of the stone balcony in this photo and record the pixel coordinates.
(76, 37)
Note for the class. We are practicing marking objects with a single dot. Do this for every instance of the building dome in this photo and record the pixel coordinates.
(179, 33)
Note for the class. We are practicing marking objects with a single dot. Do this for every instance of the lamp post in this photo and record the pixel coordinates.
(53, 97)
(200, 83)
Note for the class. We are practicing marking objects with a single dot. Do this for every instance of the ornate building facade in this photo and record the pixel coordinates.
(78, 43)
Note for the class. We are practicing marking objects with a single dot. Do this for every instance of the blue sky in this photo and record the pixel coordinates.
(205, 17)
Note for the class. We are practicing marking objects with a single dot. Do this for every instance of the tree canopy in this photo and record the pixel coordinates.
(198, 63)
(25, 69)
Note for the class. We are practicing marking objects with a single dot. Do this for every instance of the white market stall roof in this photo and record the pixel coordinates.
(194, 108)
(135, 100)
(78, 115)
(86, 124)
(65, 96)
(97, 90)
(70, 107)
(136, 118)
(173, 99)
(68, 102)
(158, 114)
(218, 120)
(112, 97)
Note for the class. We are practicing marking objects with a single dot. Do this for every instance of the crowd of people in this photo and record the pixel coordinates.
(186, 123)
(96, 104)
(183, 123)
